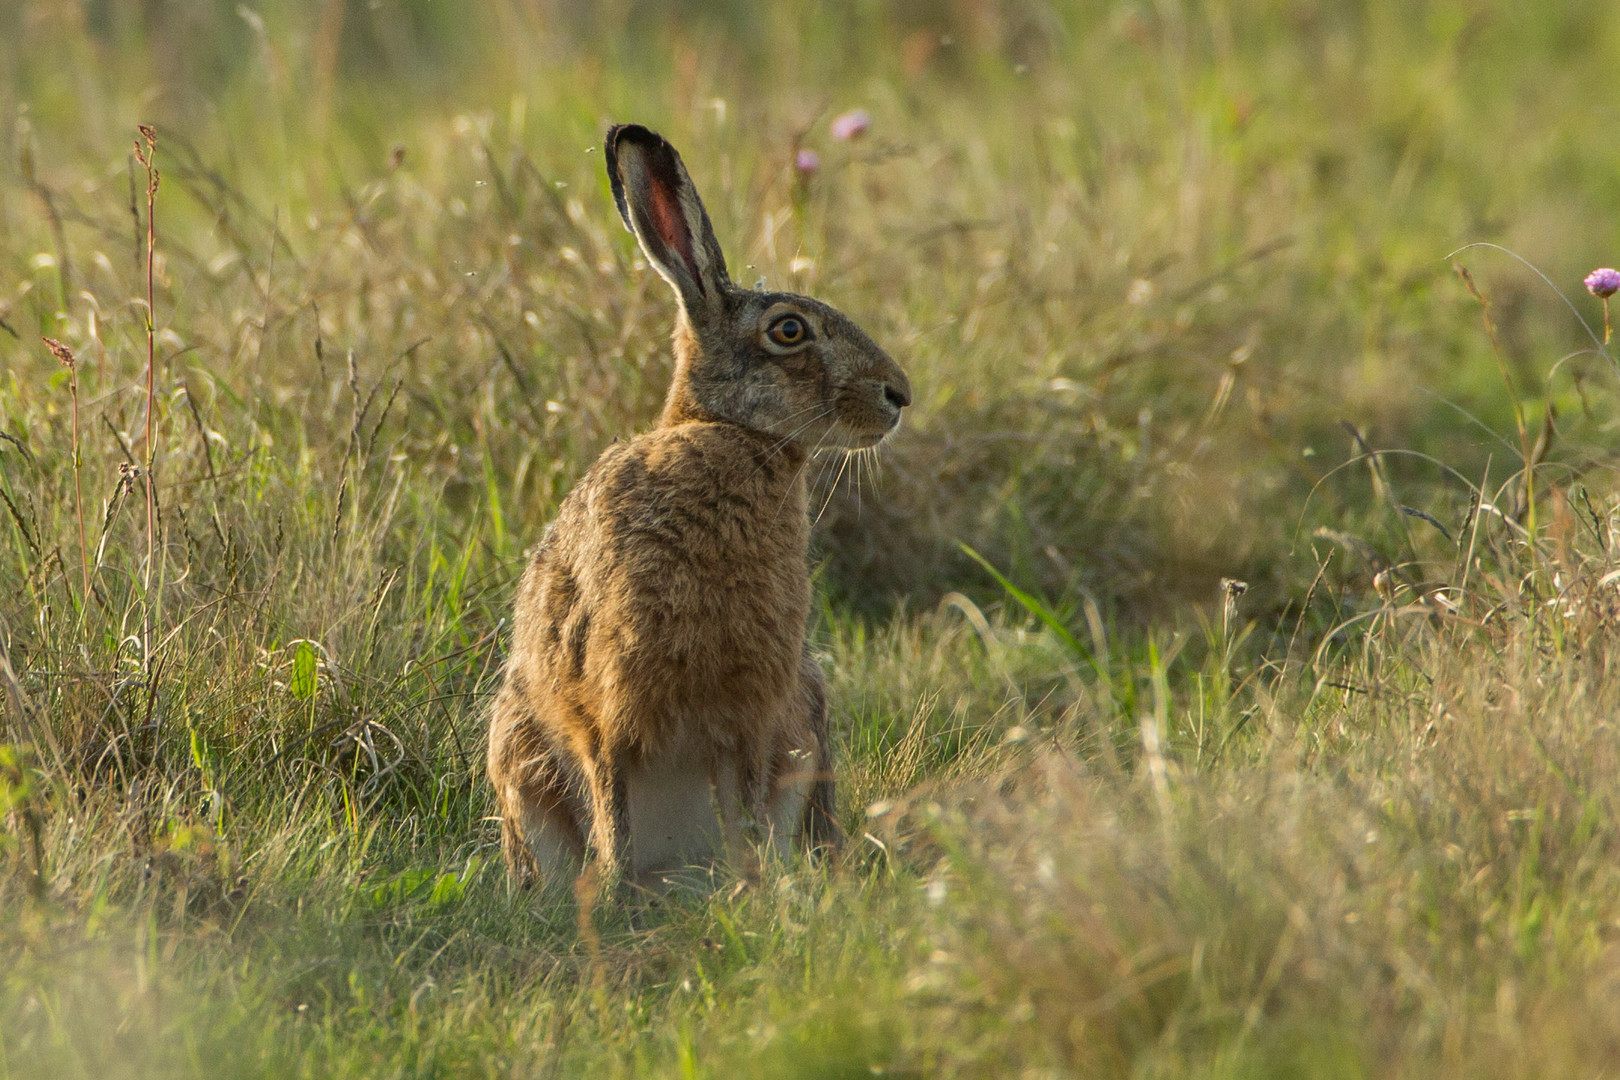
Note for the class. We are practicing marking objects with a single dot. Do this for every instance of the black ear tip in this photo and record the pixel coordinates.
(644, 139)
(633, 133)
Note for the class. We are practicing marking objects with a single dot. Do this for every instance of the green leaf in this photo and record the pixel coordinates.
(303, 672)
(401, 888)
(1031, 605)
(447, 890)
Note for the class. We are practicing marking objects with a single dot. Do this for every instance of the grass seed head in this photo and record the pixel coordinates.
(61, 352)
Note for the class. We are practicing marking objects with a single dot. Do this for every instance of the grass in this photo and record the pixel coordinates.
(1172, 285)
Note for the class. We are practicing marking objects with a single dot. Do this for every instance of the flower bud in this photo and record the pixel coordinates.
(851, 125)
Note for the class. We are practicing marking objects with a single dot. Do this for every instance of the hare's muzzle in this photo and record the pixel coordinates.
(896, 394)
(872, 412)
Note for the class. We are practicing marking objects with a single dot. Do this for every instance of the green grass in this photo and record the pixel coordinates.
(1162, 276)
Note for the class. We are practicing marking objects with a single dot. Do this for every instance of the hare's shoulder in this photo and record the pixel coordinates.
(699, 505)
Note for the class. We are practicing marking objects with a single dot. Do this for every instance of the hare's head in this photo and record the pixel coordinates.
(774, 362)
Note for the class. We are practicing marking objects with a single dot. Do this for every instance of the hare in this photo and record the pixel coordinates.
(658, 695)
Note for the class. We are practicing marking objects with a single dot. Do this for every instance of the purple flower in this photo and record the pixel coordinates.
(1603, 283)
(851, 125)
(807, 162)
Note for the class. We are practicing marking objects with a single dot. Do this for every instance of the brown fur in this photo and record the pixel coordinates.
(658, 692)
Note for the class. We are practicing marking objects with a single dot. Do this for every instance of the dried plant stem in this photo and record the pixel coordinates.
(148, 160)
(78, 490)
(69, 361)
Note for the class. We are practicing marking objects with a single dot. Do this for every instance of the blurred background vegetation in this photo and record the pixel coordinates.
(1163, 275)
(1142, 259)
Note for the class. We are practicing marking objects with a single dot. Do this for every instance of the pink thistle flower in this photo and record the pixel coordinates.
(807, 162)
(851, 125)
(1603, 283)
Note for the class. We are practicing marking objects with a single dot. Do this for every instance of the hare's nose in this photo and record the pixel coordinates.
(898, 396)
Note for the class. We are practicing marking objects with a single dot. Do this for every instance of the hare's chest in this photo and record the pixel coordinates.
(694, 562)
(709, 591)
(721, 583)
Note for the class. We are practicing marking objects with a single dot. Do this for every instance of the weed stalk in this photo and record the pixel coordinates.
(69, 361)
(1526, 451)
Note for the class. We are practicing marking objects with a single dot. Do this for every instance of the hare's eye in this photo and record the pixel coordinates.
(788, 330)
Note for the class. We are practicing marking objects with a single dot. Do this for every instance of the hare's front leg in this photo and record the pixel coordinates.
(732, 789)
(748, 799)
(794, 779)
(673, 823)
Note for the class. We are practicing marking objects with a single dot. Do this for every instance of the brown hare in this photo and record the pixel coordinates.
(658, 696)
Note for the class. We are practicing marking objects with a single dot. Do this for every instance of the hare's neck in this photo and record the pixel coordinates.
(778, 465)
(775, 469)
(680, 406)
(764, 461)
(764, 473)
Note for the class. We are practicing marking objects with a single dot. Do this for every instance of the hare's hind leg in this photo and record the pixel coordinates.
(540, 826)
(802, 808)
(537, 794)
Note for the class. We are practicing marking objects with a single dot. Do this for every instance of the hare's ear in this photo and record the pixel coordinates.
(659, 204)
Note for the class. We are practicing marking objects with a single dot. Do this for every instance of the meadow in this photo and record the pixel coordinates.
(1190, 294)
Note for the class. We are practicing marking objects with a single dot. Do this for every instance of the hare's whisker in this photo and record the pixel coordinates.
(874, 465)
(832, 489)
(782, 443)
(860, 467)
(823, 467)
(802, 466)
